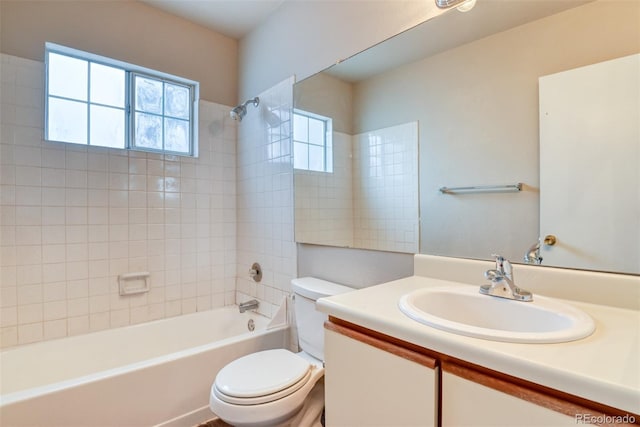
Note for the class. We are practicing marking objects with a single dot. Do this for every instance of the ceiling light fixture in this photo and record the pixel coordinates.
(462, 5)
(466, 6)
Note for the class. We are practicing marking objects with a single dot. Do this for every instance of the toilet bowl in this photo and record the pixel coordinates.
(279, 387)
(274, 383)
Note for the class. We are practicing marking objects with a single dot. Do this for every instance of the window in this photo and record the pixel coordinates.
(312, 143)
(162, 115)
(98, 101)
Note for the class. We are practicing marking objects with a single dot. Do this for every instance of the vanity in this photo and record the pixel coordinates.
(385, 368)
(477, 142)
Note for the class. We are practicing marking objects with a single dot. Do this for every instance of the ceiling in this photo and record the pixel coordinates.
(233, 18)
(450, 30)
(236, 18)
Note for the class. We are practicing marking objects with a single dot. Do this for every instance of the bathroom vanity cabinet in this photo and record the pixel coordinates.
(472, 398)
(369, 382)
(376, 379)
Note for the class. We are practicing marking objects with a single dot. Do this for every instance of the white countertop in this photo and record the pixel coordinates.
(604, 367)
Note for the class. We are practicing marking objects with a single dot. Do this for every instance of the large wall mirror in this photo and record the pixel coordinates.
(456, 102)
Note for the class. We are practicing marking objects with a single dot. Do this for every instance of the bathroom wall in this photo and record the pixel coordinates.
(265, 199)
(371, 197)
(324, 205)
(324, 201)
(72, 218)
(292, 56)
(385, 194)
(309, 36)
(479, 124)
(304, 46)
(126, 30)
(357, 268)
(327, 96)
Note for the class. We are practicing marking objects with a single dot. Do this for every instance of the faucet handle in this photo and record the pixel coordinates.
(503, 265)
(499, 262)
(508, 269)
(502, 282)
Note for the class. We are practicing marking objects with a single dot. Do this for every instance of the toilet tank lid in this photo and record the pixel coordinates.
(313, 288)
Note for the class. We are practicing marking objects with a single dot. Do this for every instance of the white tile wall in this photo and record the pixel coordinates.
(72, 218)
(265, 199)
(371, 199)
(386, 188)
(324, 201)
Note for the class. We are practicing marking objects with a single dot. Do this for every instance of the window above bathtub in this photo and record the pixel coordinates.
(99, 101)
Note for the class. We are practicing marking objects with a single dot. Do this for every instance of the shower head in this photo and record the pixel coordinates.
(241, 110)
(238, 113)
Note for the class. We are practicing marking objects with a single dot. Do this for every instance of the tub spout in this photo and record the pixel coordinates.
(248, 305)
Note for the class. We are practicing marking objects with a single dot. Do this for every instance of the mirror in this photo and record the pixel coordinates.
(469, 83)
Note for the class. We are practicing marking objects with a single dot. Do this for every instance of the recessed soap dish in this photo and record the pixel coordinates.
(134, 283)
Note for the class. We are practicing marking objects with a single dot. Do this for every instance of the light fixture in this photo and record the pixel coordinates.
(462, 5)
(466, 6)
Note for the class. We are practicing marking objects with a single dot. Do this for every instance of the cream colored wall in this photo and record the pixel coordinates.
(302, 38)
(129, 31)
(478, 112)
(327, 96)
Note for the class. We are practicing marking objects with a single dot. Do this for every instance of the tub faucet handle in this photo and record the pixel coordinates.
(255, 272)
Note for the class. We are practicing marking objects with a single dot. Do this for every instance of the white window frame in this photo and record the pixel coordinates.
(328, 139)
(131, 70)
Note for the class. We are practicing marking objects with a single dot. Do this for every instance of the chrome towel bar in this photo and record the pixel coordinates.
(483, 189)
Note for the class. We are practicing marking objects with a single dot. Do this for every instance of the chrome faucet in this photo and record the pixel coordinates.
(533, 254)
(502, 284)
(248, 305)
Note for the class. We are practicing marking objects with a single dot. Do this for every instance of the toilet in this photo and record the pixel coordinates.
(279, 387)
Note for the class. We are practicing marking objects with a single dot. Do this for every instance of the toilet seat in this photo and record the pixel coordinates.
(261, 377)
(276, 395)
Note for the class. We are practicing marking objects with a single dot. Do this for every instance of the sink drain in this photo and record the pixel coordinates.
(251, 325)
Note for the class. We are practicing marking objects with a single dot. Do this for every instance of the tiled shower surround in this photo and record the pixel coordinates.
(74, 217)
(371, 198)
(324, 201)
(386, 191)
(265, 199)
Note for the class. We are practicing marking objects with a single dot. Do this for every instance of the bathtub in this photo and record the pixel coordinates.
(153, 374)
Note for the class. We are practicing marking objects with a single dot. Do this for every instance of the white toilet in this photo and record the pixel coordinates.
(278, 387)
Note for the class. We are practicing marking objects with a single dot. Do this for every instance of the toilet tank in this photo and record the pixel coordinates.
(310, 322)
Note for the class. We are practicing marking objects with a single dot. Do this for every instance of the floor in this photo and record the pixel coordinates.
(214, 423)
(220, 423)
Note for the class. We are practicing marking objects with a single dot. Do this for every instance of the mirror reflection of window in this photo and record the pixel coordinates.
(312, 142)
(375, 155)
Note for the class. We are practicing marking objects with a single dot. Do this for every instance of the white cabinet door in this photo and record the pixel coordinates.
(367, 386)
(466, 403)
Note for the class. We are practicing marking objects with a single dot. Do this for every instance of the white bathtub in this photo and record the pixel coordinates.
(156, 373)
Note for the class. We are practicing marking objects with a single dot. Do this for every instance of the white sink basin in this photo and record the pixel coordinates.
(463, 310)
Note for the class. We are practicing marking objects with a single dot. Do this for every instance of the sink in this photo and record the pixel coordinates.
(464, 311)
